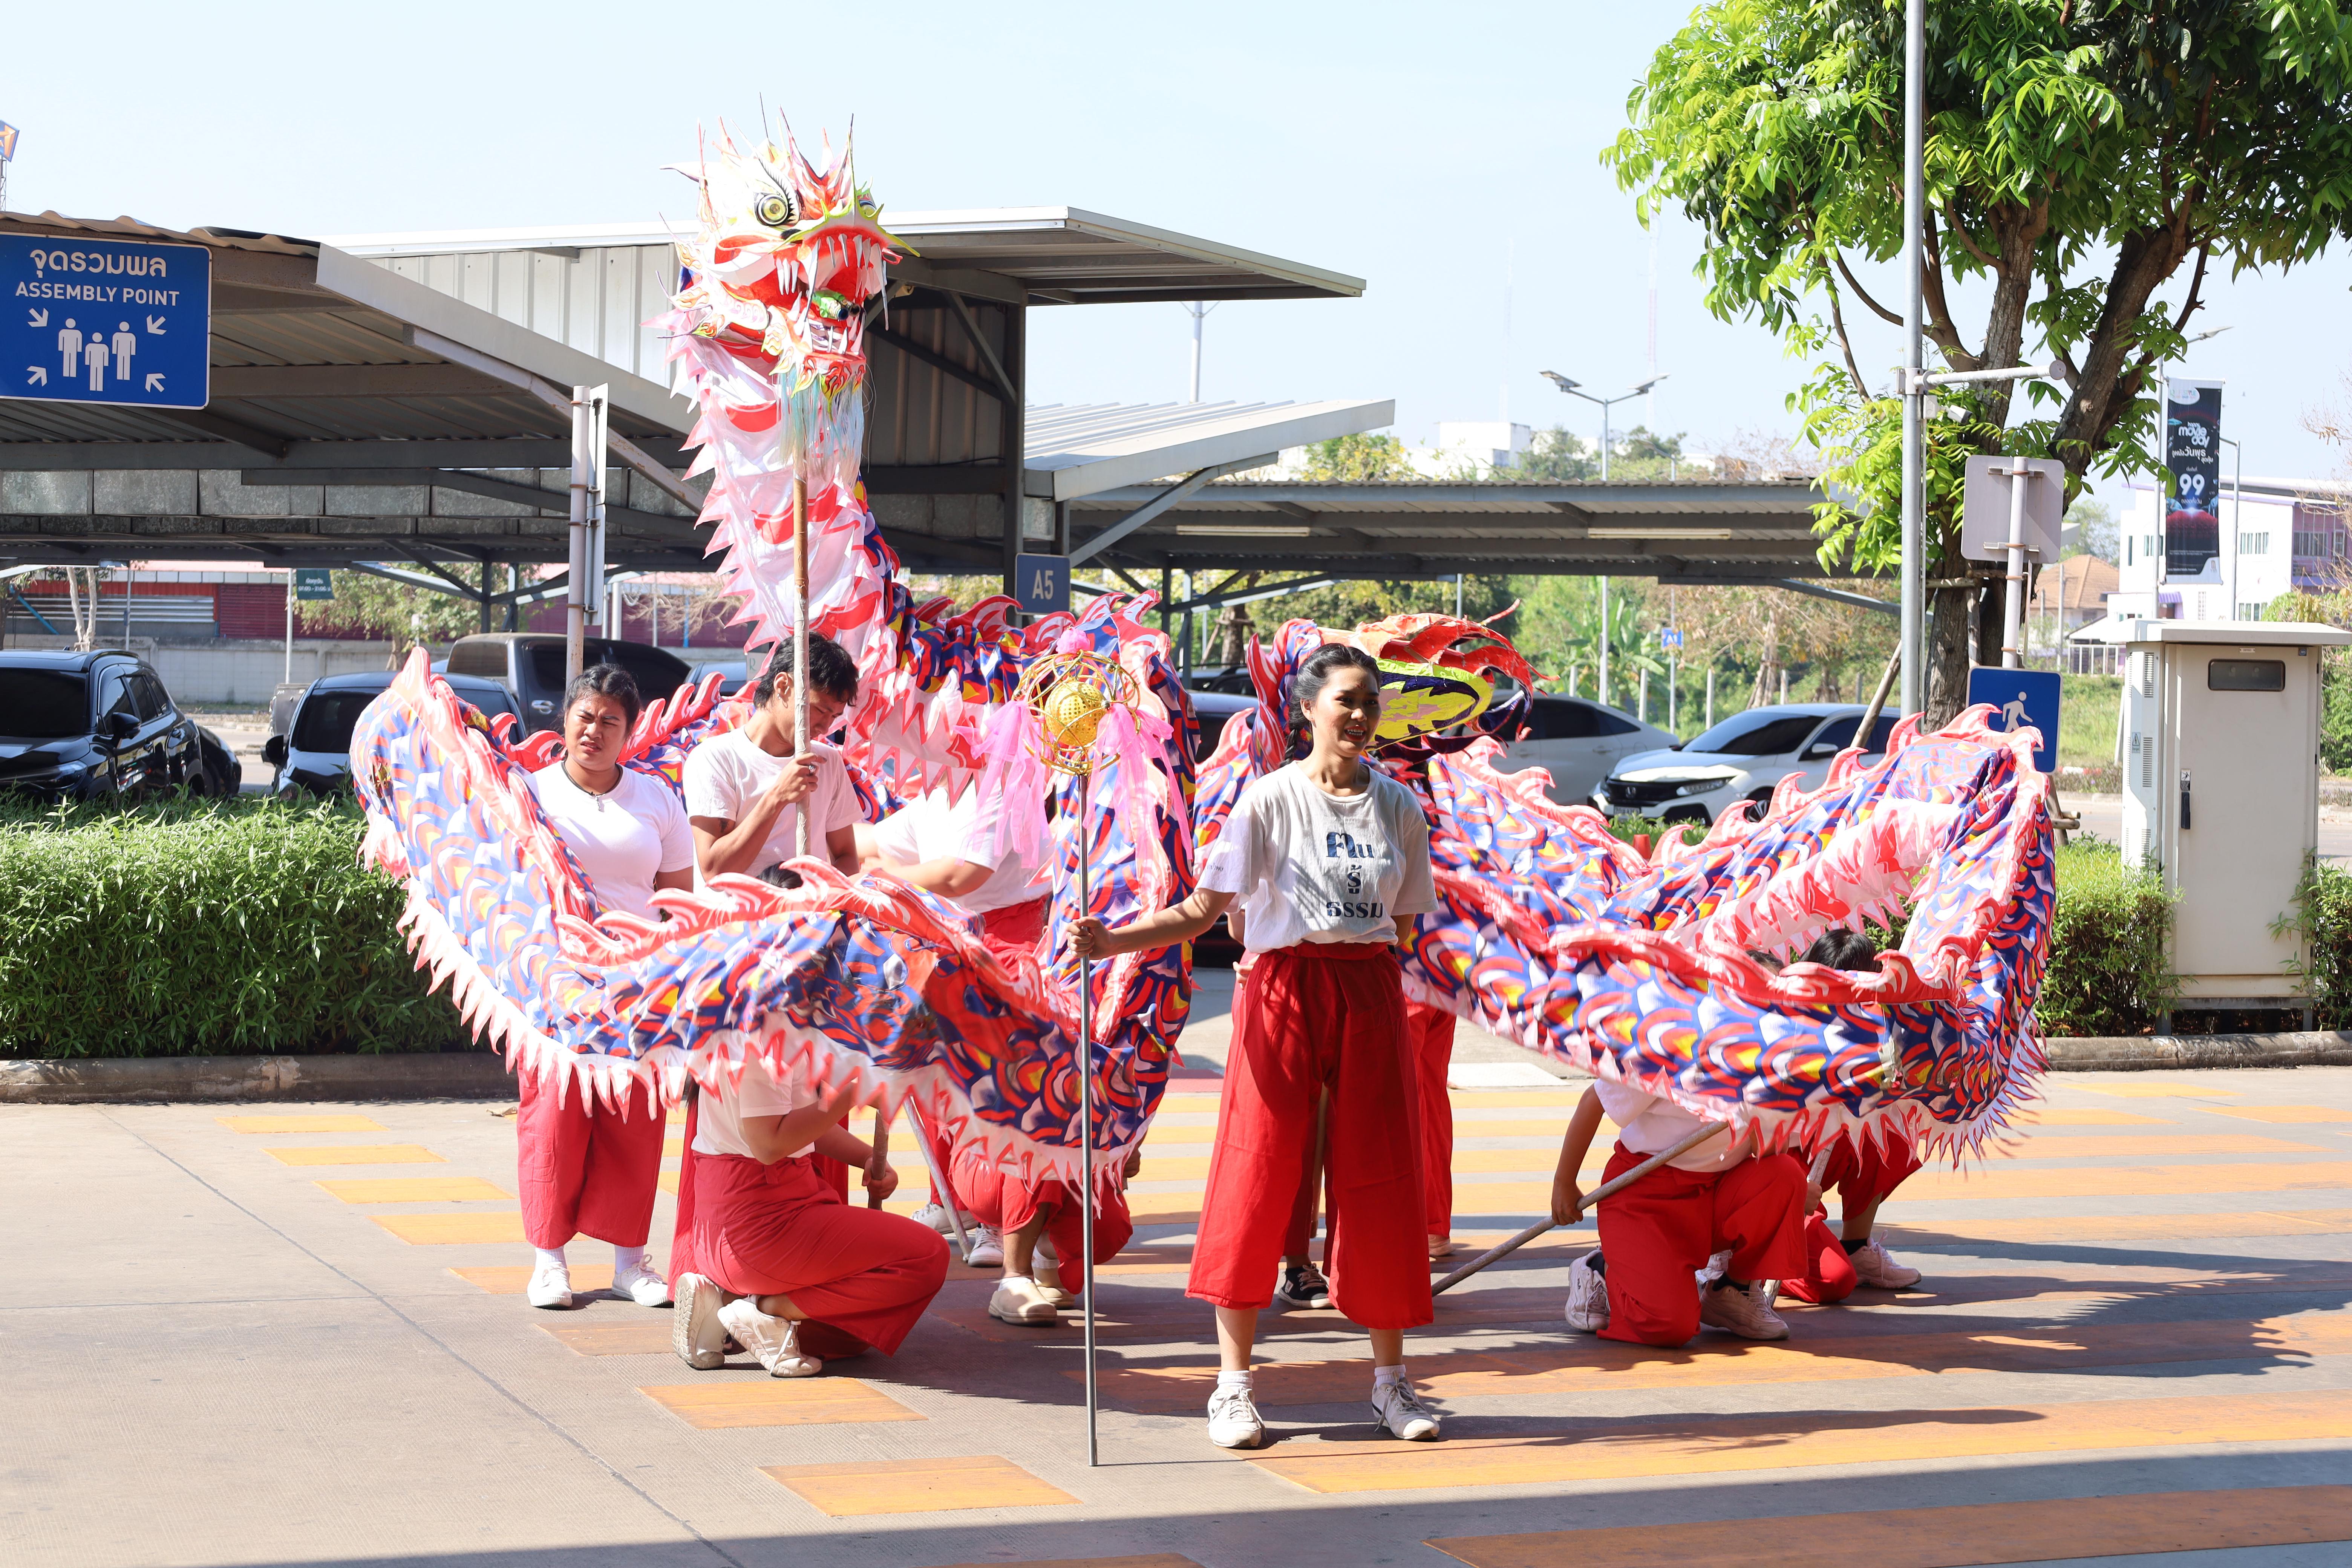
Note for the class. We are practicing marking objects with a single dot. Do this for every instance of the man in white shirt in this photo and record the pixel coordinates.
(745, 790)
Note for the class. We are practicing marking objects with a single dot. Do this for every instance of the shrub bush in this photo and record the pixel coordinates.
(2108, 973)
(203, 928)
(2322, 903)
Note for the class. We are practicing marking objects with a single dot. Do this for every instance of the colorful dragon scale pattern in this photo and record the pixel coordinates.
(1552, 932)
(867, 983)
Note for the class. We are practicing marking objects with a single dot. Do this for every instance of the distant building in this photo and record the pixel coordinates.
(2283, 534)
(2075, 590)
(1471, 448)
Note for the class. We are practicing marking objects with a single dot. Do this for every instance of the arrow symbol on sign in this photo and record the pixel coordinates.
(40, 318)
(154, 380)
(40, 376)
(155, 326)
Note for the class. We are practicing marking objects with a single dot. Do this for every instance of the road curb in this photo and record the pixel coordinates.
(109, 1080)
(2172, 1053)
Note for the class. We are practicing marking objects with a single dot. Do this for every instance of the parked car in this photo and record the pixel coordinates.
(1214, 710)
(529, 665)
(1578, 740)
(733, 673)
(1743, 758)
(314, 754)
(75, 725)
(1233, 682)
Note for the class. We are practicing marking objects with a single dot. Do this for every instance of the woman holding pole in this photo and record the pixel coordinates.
(1330, 859)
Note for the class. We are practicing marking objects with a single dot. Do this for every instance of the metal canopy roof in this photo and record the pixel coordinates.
(1686, 531)
(1058, 256)
(1086, 449)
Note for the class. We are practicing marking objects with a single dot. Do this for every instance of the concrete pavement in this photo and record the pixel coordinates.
(230, 1342)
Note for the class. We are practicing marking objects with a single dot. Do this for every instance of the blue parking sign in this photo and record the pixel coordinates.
(1042, 583)
(105, 321)
(2021, 699)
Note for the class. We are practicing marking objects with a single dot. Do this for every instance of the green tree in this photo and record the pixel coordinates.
(1555, 457)
(378, 608)
(1358, 459)
(2080, 154)
(2101, 536)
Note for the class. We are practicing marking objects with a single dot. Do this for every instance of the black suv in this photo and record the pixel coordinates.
(314, 752)
(74, 725)
(531, 665)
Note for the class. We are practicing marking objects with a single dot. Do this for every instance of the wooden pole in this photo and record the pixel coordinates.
(1605, 1190)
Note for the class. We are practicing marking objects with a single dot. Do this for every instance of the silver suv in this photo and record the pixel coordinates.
(1743, 758)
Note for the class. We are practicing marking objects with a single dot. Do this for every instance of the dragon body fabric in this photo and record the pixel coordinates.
(868, 983)
(1553, 933)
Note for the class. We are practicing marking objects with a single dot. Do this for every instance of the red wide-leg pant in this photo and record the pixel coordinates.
(1433, 1051)
(1009, 1200)
(862, 1276)
(1658, 1233)
(1016, 928)
(1862, 1178)
(585, 1168)
(1315, 1019)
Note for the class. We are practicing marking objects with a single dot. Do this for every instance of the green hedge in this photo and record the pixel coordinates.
(203, 928)
(2108, 935)
(2324, 912)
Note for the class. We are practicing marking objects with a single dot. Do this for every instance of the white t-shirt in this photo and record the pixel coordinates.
(1648, 1125)
(725, 775)
(718, 1117)
(620, 839)
(973, 829)
(1311, 865)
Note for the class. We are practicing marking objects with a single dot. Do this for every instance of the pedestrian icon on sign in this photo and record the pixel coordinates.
(70, 348)
(125, 342)
(2014, 716)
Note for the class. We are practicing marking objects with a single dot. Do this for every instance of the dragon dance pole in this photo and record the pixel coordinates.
(1087, 1125)
(1605, 1190)
(800, 648)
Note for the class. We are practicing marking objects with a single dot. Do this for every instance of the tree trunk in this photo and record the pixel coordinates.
(1950, 631)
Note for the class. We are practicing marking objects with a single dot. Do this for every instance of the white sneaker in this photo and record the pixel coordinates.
(1023, 1301)
(1402, 1413)
(774, 1343)
(1588, 1296)
(1233, 1420)
(1880, 1271)
(696, 1333)
(642, 1285)
(1747, 1314)
(987, 1247)
(550, 1286)
(936, 1217)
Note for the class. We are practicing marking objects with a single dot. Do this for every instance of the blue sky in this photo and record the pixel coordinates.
(1437, 152)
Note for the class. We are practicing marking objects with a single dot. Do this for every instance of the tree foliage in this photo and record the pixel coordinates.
(1358, 459)
(371, 606)
(2080, 154)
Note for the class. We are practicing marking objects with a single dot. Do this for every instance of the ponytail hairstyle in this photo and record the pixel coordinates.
(1307, 685)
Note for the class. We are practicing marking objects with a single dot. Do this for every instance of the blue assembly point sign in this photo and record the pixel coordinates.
(2021, 699)
(1042, 583)
(105, 321)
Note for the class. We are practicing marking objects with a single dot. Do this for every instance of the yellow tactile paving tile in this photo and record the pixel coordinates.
(416, 1190)
(454, 1229)
(2282, 1113)
(1959, 1537)
(1710, 1444)
(2049, 1116)
(864, 1486)
(2120, 1182)
(2158, 1090)
(777, 1402)
(2148, 1145)
(359, 1154)
(509, 1280)
(1813, 1352)
(2125, 1228)
(301, 1123)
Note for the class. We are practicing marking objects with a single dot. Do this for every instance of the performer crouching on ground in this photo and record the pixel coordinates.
(1864, 1174)
(1330, 859)
(1658, 1234)
(767, 1251)
(745, 790)
(582, 1166)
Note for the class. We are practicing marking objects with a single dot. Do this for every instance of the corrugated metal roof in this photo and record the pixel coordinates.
(1083, 449)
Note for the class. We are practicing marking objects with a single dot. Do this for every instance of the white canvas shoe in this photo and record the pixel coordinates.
(641, 1285)
(935, 1215)
(1588, 1296)
(1402, 1413)
(1747, 1314)
(1233, 1420)
(550, 1286)
(1048, 1275)
(987, 1247)
(1023, 1301)
(774, 1343)
(696, 1333)
(1880, 1271)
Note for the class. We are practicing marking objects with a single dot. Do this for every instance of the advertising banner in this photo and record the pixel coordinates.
(2192, 455)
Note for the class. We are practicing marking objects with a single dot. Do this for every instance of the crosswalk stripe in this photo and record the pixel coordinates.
(1697, 1445)
(1952, 1537)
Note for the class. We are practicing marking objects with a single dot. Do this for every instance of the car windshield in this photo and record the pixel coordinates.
(327, 720)
(1758, 734)
(44, 704)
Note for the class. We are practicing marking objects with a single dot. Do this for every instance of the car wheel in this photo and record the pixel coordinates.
(1761, 799)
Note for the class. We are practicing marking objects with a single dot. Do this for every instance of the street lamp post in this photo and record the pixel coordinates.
(1576, 389)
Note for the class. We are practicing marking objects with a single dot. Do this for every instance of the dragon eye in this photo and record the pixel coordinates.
(776, 212)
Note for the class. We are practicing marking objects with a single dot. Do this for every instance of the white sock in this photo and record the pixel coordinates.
(1384, 1376)
(1017, 1280)
(550, 1258)
(1241, 1380)
(626, 1259)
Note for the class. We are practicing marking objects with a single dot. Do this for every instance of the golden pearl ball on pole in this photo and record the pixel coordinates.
(1073, 713)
